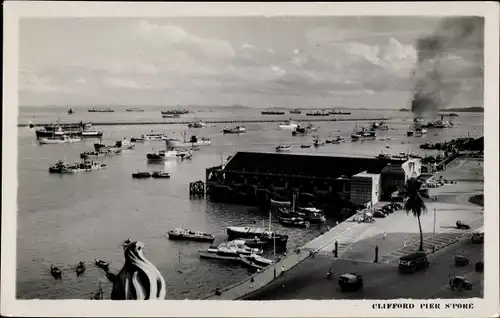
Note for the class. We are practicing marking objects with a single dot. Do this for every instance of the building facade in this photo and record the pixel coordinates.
(365, 188)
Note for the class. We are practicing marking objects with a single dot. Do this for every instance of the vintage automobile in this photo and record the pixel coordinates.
(479, 266)
(460, 283)
(379, 214)
(350, 282)
(461, 225)
(461, 260)
(477, 237)
(413, 262)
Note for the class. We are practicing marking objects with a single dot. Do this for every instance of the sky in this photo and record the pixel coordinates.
(253, 61)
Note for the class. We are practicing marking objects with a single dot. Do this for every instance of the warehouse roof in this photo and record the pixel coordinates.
(307, 165)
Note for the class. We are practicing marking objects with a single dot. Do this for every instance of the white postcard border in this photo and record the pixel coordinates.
(9, 306)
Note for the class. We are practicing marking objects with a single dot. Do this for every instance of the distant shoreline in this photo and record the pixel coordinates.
(250, 121)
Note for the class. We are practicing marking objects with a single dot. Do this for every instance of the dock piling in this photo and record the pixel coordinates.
(197, 189)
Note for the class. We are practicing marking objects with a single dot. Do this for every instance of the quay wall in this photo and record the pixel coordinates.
(185, 122)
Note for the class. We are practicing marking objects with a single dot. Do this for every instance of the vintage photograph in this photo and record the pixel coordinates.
(250, 158)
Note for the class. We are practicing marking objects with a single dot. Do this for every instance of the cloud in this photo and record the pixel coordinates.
(176, 38)
(31, 82)
(122, 83)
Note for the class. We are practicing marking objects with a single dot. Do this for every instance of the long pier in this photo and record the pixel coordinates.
(235, 121)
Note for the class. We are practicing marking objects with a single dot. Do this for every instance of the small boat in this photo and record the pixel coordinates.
(59, 140)
(228, 251)
(252, 242)
(312, 215)
(189, 235)
(318, 142)
(91, 133)
(70, 111)
(198, 124)
(255, 262)
(301, 131)
(101, 110)
(235, 130)
(296, 111)
(102, 264)
(257, 233)
(160, 175)
(124, 144)
(283, 148)
(166, 154)
(55, 272)
(174, 112)
(86, 165)
(258, 260)
(80, 268)
(272, 112)
(293, 221)
(194, 141)
(86, 154)
(141, 175)
(289, 124)
(356, 137)
(305, 146)
(171, 116)
(138, 139)
(410, 133)
(134, 110)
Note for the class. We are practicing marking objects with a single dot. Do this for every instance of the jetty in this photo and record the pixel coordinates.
(232, 121)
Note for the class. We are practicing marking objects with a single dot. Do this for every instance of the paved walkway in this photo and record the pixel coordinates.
(441, 240)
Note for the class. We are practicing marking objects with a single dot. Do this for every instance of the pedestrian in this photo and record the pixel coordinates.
(413, 241)
(336, 223)
(385, 235)
(284, 254)
(252, 280)
(282, 270)
(404, 244)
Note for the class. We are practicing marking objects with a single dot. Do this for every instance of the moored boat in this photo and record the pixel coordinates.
(296, 111)
(194, 141)
(160, 175)
(289, 124)
(272, 112)
(235, 130)
(80, 268)
(310, 214)
(283, 148)
(197, 124)
(169, 154)
(86, 165)
(59, 140)
(55, 272)
(318, 113)
(171, 116)
(101, 110)
(134, 110)
(260, 233)
(141, 175)
(293, 221)
(153, 136)
(190, 235)
(255, 262)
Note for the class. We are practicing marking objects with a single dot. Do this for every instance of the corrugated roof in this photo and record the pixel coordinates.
(366, 174)
(308, 165)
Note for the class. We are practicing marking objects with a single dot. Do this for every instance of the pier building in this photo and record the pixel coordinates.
(253, 178)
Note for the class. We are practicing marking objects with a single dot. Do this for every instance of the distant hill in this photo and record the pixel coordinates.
(466, 110)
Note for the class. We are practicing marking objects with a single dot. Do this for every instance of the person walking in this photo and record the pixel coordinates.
(385, 235)
(282, 270)
(252, 280)
(404, 244)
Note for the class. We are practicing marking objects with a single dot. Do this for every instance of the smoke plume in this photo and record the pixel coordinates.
(453, 53)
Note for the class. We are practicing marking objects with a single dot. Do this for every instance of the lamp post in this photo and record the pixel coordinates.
(434, 233)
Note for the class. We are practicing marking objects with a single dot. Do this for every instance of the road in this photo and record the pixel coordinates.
(382, 281)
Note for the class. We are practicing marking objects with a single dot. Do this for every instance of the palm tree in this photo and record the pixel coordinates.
(415, 204)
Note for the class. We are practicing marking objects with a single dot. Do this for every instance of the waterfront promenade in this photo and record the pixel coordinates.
(357, 241)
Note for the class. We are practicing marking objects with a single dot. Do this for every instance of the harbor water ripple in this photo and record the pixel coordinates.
(64, 219)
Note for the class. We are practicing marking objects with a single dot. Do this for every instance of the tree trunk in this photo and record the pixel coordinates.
(421, 247)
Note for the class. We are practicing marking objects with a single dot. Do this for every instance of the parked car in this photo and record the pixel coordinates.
(461, 225)
(413, 262)
(351, 282)
(479, 266)
(378, 214)
(460, 282)
(461, 260)
(388, 208)
(477, 237)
